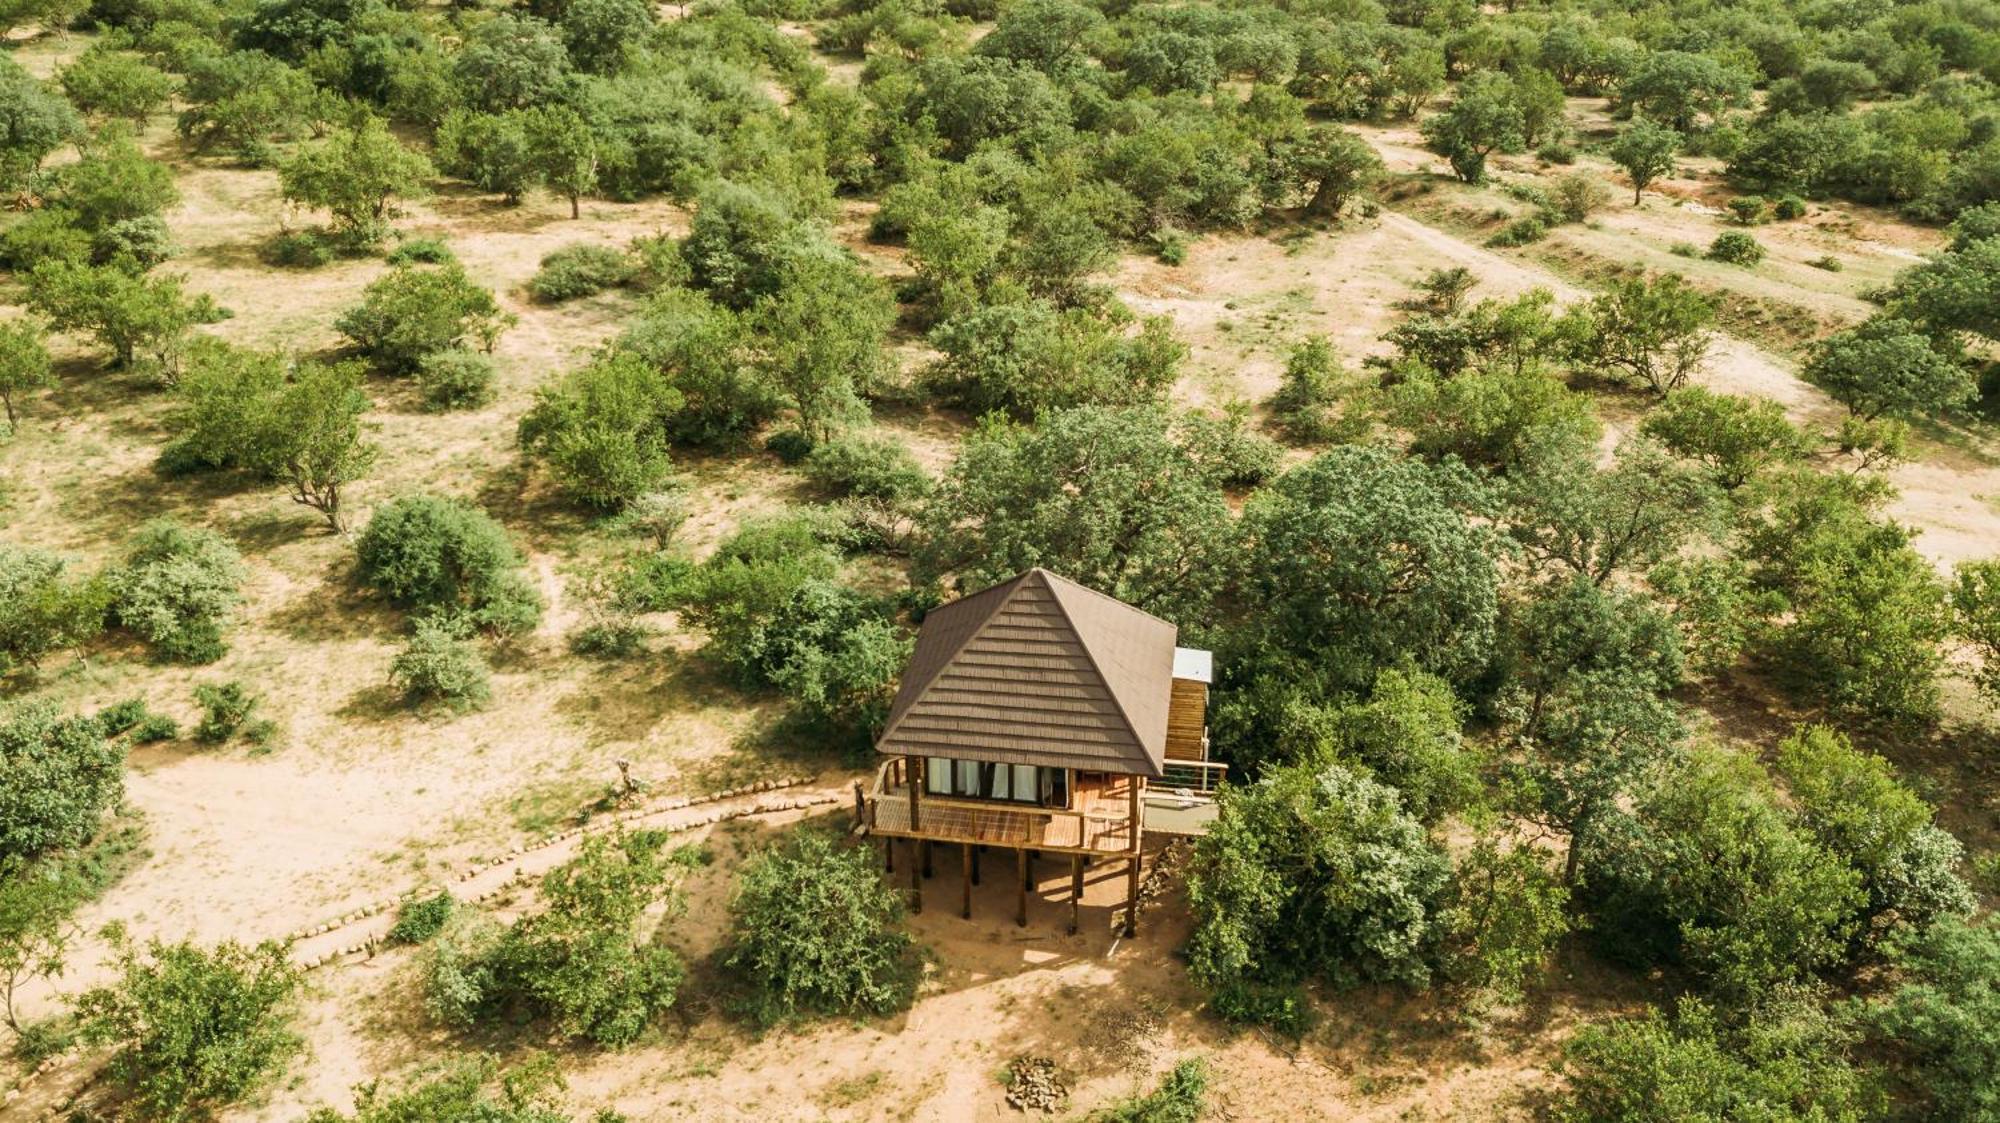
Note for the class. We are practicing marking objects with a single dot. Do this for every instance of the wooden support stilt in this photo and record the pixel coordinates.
(965, 883)
(888, 855)
(975, 863)
(927, 858)
(1132, 897)
(1021, 886)
(1075, 889)
(916, 886)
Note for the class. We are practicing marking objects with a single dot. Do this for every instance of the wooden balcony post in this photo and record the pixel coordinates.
(914, 773)
(965, 882)
(927, 859)
(975, 863)
(1021, 887)
(1075, 889)
(916, 886)
(888, 854)
(1132, 896)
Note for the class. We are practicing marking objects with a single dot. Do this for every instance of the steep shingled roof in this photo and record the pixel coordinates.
(1038, 670)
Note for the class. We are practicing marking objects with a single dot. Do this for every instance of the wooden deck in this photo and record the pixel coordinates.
(1099, 822)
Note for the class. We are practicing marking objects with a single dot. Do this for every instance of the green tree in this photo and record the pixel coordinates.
(815, 931)
(37, 122)
(1975, 598)
(414, 311)
(312, 436)
(706, 352)
(1499, 418)
(1680, 88)
(60, 776)
(194, 1030)
(1956, 291)
(1712, 874)
(1856, 806)
(436, 666)
(357, 174)
(36, 903)
(1313, 873)
(1574, 518)
(43, 607)
(1735, 437)
(116, 83)
(1502, 915)
(598, 33)
(1646, 151)
(1109, 497)
(489, 150)
(1938, 1022)
(1030, 357)
(511, 62)
(146, 317)
(1484, 118)
(1359, 559)
(177, 588)
(24, 364)
(447, 559)
(1324, 165)
(603, 429)
(561, 146)
(113, 182)
(823, 333)
(1886, 367)
(1652, 331)
(1786, 1062)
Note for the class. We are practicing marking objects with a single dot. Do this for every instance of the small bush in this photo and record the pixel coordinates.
(415, 310)
(1829, 263)
(1525, 230)
(436, 666)
(868, 467)
(1789, 208)
(1170, 245)
(456, 378)
(154, 728)
(1282, 1007)
(1684, 249)
(1556, 152)
(449, 559)
(578, 271)
(789, 445)
(121, 716)
(1734, 247)
(1748, 209)
(1578, 195)
(613, 639)
(1182, 1097)
(143, 242)
(422, 918)
(816, 931)
(177, 588)
(421, 251)
(300, 249)
(225, 710)
(37, 1041)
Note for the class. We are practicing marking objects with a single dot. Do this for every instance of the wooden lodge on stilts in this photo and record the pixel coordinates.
(1042, 717)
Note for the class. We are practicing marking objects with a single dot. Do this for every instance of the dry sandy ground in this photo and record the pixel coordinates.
(360, 799)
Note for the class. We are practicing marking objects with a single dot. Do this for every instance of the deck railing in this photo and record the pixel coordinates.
(1195, 779)
(983, 822)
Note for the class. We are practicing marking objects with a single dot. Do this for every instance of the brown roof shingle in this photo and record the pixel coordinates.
(1038, 670)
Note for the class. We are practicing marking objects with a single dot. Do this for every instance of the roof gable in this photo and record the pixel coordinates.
(1038, 670)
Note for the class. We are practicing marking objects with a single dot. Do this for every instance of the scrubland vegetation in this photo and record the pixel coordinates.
(1569, 425)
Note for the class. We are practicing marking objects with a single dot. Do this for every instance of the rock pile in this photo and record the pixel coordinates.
(1032, 1085)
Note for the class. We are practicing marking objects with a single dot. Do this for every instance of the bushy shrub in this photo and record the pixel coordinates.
(449, 559)
(194, 1030)
(177, 588)
(586, 961)
(868, 467)
(300, 249)
(815, 931)
(1030, 358)
(1182, 1097)
(603, 429)
(1785, 1061)
(226, 710)
(154, 728)
(1309, 392)
(1788, 208)
(58, 775)
(416, 310)
(436, 666)
(1940, 1024)
(421, 918)
(421, 251)
(1578, 195)
(580, 270)
(1314, 872)
(1748, 209)
(473, 1090)
(137, 243)
(1526, 230)
(456, 378)
(1734, 247)
(1227, 450)
(44, 607)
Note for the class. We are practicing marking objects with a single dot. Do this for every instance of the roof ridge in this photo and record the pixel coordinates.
(1089, 651)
